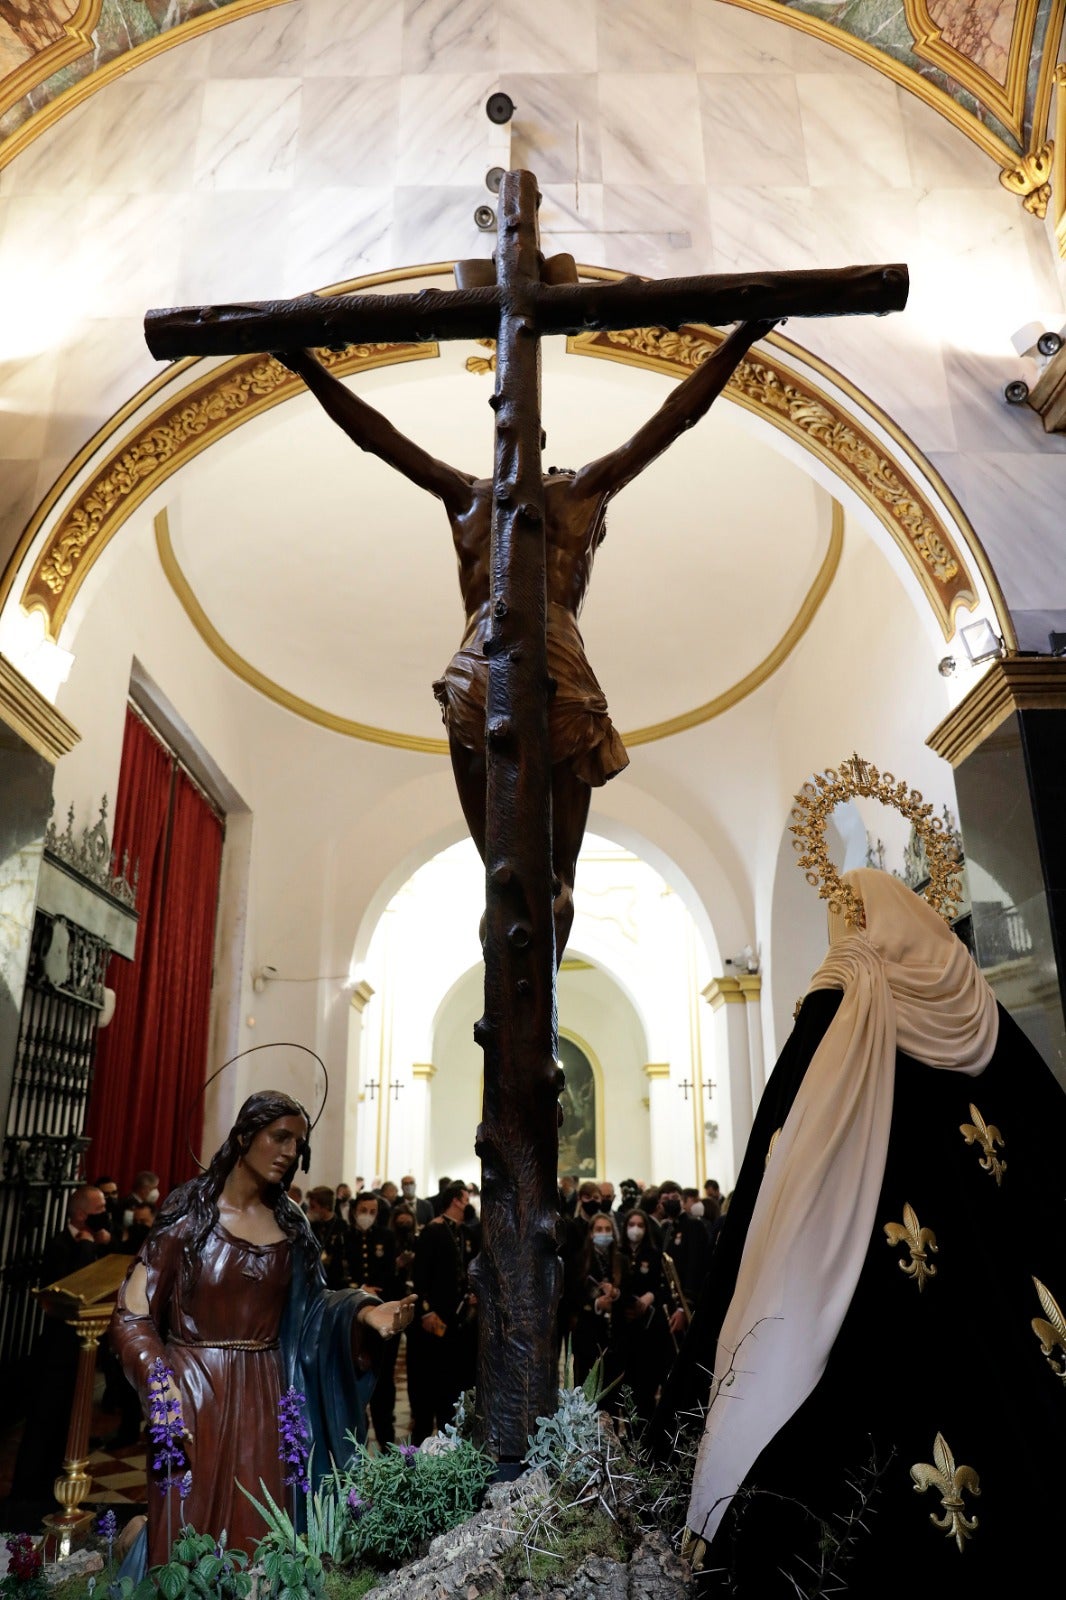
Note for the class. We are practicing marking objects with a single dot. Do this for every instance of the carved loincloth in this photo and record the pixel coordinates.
(579, 727)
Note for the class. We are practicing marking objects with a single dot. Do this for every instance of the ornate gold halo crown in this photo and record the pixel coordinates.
(810, 813)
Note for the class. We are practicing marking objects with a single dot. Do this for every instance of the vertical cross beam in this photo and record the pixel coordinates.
(517, 1270)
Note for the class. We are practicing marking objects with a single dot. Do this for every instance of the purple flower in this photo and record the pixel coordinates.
(295, 1440)
(408, 1451)
(185, 1485)
(356, 1504)
(166, 1427)
(107, 1527)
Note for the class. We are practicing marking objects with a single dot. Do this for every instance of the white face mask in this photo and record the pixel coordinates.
(364, 1220)
(601, 1241)
(153, 1197)
(409, 1190)
(696, 1209)
(634, 1235)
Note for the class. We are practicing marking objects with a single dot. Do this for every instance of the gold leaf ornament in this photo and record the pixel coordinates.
(811, 809)
(988, 1136)
(953, 1482)
(1050, 1329)
(921, 1243)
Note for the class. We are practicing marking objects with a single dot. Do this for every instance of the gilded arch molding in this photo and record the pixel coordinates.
(999, 99)
(93, 48)
(135, 454)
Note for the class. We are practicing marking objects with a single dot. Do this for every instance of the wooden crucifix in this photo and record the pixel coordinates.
(525, 545)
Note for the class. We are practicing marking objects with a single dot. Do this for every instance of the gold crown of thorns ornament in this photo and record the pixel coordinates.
(828, 789)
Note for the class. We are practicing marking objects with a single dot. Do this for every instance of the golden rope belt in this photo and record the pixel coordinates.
(225, 1344)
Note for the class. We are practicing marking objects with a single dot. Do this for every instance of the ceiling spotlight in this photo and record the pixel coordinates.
(499, 107)
(485, 218)
(946, 666)
(982, 641)
(1049, 344)
(493, 179)
(1016, 392)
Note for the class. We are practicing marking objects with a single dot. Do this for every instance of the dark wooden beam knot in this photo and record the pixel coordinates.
(519, 935)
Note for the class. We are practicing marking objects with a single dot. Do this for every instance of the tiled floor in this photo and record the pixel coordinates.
(119, 1475)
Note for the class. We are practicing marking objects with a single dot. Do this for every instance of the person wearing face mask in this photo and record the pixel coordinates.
(423, 1210)
(595, 1293)
(145, 1191)
(573, 1232)
(371, 1248)
(54, 1359)
(685, 1242)
(442, 1344)
(638, 1327)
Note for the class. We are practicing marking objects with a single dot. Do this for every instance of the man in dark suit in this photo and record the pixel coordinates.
(423, 1209)
(442, 1340)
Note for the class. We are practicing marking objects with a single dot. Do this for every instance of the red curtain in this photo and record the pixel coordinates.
(152, 1060)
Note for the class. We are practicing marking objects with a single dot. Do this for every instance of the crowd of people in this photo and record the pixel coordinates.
(632, 1267)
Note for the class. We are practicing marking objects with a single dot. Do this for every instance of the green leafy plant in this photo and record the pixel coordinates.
(399, 1500)
(198, 1569)
(569, 1444)
(324, 1536)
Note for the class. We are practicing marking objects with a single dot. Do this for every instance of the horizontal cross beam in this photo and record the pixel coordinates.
(437, 314)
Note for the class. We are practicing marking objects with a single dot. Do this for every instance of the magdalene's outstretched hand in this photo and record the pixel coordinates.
(390, 1318)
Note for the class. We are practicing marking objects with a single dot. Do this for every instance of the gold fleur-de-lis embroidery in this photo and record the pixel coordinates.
(771, 1146)
(953, 1482)
(1052, 1331)
(921, 1241)
(987, 1135)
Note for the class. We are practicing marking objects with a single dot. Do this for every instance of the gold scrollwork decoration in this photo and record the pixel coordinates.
(1050, 1329)
(851, 452)
(988, 1136)
(180, 429)
(952, 1482)
(1031, 179)
(811, 809)
(771, 1147)
(921, 1242)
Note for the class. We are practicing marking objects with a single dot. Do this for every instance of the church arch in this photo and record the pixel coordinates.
(176, 417)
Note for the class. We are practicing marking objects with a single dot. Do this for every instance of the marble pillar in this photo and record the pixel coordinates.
(33, 736)
(1007, 744)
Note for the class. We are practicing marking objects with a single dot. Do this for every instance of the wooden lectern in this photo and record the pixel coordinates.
(84, 1300)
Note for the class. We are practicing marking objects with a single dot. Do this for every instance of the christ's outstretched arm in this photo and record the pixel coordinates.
(367, 428)
(686, 405)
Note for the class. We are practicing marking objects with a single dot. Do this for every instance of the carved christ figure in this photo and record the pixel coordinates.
(585, 748)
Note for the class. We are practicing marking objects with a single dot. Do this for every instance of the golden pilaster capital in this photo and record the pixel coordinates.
(362, 994)
(724, 992)
(656, 1069)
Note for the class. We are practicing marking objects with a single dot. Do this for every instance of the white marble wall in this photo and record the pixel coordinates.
(324, 139)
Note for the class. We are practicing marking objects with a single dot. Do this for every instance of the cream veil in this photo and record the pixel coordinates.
(908, 983)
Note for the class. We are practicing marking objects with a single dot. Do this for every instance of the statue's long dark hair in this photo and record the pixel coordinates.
(195, 1204)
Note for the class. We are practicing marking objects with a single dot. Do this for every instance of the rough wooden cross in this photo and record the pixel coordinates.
(523, 300)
